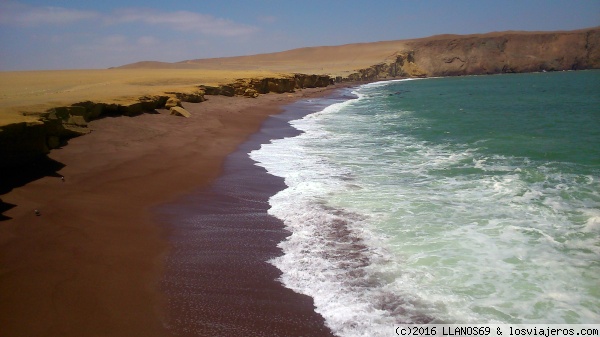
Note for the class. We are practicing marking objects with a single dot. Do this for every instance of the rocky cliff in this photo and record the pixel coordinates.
(25, 142)
(494, 53)
(403, 66)
(509, 53)
(253, 87)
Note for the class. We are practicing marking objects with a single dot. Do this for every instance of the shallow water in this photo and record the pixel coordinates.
(449, 200)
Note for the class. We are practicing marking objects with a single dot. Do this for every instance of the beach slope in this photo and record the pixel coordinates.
(90, 261)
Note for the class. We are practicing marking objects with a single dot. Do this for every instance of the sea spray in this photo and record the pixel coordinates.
(451, 200)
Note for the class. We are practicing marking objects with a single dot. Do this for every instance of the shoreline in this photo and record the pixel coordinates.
(91, 262)
(218, 281)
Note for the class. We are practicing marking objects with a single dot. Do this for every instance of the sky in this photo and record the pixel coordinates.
(96, 34)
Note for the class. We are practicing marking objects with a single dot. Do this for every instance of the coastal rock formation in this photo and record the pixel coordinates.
(25, 142)
(190, 97)
(179, 111)
(403, 66)
(251, 93)
(252, 87)
(21, 143)
(494, 53)
(508, 53)
(172, 102)
(312, 81)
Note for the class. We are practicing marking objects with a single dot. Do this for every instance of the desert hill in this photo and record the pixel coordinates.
(440, 55)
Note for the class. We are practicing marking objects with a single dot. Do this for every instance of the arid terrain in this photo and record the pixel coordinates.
(81, 251)
(442, 55)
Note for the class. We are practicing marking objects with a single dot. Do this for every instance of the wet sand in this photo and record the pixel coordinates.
(92, 264)
(218, 282)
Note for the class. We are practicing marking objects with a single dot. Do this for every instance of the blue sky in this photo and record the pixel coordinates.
(69, 34)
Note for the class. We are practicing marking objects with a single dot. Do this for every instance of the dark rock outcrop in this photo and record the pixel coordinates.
(172, 102)
(22, 143)
(251, 93)
(179, 111)
(494, 53)
(312, 81)
(403, 66)
(26, 142)
(269, 84)
(508, 53)
(191, 97)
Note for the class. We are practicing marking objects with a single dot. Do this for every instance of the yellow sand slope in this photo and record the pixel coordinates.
(36, 91)
(443, 55)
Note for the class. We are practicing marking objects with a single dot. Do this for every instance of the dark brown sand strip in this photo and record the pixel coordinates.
(92, 262)
(218, 282)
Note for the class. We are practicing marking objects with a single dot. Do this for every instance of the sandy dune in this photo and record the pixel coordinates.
(330, 60)
(36, 91)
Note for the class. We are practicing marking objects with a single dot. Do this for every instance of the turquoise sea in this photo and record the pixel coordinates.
(445, 200)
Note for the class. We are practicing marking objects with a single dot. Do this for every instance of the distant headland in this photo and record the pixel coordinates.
(440, 55)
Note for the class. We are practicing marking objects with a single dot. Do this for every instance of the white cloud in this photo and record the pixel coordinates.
(23, 15)
(12, 13)
(147, 41)
(185, 21)
(66, 37)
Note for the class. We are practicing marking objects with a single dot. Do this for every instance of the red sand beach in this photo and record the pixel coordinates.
(222, 236)
(92, 263)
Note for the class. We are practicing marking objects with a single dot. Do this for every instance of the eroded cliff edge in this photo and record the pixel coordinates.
(26, 142)
(444, 55)
(493, 53)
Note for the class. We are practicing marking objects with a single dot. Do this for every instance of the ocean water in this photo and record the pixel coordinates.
(445, 200)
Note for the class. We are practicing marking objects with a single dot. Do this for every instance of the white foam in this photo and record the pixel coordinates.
(592, 225)
(387, 82)
(418, 242)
